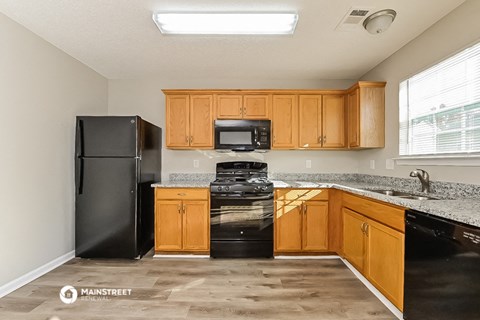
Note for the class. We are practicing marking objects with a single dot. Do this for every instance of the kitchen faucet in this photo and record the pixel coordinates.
(424, 179)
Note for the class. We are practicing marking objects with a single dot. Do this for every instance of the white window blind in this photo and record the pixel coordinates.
(440, 107)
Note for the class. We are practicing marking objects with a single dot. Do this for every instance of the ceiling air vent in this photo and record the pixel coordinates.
(353, 18)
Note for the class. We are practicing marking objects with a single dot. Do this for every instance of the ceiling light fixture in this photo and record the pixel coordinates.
(379, 21)
(225, 23)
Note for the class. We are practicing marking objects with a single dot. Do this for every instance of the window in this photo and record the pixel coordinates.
(440, 108)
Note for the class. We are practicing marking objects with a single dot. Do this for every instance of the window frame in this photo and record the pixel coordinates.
(467, 158)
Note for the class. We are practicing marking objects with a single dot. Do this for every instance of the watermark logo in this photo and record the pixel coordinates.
(68, 294)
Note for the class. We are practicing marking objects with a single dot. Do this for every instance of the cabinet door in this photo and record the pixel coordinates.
(177, 118)
(354, 119)
(196, 225)
(288, 226)
(256, 106)
(353, 238)
(285, 122)
(385, 261)
(315, 226)
(333, 121)
(168, 225)
(201, 121)
(229, 106)
(310, 121)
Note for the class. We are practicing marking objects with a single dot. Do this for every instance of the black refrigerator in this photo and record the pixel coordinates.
(116, 161)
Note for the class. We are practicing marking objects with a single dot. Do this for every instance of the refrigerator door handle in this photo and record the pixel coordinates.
(79, 162)
(79, 174)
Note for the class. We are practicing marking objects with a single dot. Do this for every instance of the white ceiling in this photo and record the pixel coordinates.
(118, 38)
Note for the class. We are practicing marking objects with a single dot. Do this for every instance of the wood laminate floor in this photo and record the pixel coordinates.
(199, 289)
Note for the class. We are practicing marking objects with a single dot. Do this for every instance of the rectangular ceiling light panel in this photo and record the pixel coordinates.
(226, 23)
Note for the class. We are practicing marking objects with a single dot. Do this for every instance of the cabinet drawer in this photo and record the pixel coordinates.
(390, 215)
(183, 193)
(301, 194)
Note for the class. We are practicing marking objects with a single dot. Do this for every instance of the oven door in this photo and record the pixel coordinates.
(241, 217)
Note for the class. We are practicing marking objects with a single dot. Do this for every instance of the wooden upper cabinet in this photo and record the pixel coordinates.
(247, 106)
(229, 106)
(366, 115)
(178, 124)
(285, 122)
(321, 121)
(333, 121)
(354, 118)
(300, 119)
(310, 121)
(201, 121)
(256, 106)
(189, 121)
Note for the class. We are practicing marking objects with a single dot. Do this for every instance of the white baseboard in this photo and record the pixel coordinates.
(34, 274)
(189, 256)
(306, 257)
(374, 290)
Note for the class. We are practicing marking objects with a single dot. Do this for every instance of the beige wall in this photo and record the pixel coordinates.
(144, 97)
(454, 32)
(42, 89)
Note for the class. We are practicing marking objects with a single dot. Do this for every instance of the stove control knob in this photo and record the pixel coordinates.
(219, 188)
(264, 188)
(227, 188)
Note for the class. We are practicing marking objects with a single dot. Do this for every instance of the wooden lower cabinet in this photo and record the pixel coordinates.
(301, 225)
(353, 238)
(182, 224)
(385, 262)
(376, 250)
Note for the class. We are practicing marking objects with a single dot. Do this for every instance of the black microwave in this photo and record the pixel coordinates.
(242, 135)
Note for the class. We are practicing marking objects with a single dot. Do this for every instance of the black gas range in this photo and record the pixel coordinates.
(241, 214)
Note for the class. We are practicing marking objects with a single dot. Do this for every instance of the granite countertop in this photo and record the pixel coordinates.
(465, 210)
(183, 184)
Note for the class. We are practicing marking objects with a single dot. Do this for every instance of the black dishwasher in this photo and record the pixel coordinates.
(442, 269)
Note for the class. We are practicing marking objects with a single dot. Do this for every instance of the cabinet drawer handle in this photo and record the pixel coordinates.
(184, 209)
(363, 227)
(324, 139)
(304, 209)
(181, 194)
(179, 209)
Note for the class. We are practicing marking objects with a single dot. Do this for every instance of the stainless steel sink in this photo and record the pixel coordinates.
(403, 195)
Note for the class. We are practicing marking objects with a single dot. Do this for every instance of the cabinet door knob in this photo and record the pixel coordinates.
(184, 209)
(179, 209)
(186, 138)
(324, 139)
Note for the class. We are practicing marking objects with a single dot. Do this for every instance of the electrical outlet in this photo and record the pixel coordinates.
(372, 164)
(389, 164)
(308, 164)
(196, 163)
